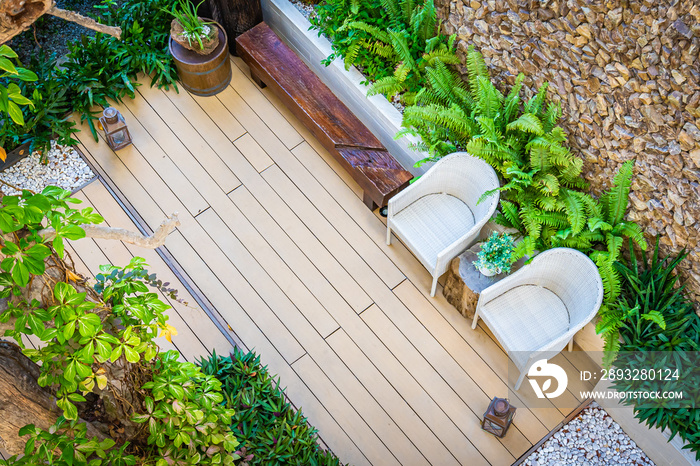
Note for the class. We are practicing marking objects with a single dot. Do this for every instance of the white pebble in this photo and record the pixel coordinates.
(64, 168)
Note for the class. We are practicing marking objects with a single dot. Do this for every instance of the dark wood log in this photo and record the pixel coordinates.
(22, 400)
(274, 64)
(236, 16)
(17, 16)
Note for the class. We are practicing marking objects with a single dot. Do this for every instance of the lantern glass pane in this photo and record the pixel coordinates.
(118, 137)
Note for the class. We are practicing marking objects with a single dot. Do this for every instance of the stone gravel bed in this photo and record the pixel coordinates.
(592, 438)
(65, 168)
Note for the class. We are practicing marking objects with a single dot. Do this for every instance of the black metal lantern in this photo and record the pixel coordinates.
(116, 132)
(498, 417)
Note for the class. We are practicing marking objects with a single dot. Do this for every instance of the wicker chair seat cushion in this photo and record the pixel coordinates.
(434, 222)
(525, 318)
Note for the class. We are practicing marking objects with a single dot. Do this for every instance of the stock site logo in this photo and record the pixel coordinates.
(541, 369)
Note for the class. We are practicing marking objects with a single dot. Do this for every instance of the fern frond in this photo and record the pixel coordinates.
(440, 55)
(399, 40)
(575, 210)
(351, 54)
(539, 157)
(527, 123)
(477, 69)
(373, 31)
(447, 88)
(526, 247)
(386, 51)
(510, 213)
(512, 102)
(547, 183)
(550, 118)
(388, 86)
(489, 100)
(393, 9)
(615, 200)
(424, 21)
(530, 218)
(536, 104)
(556, 220)
(631, 230)
(407, 9)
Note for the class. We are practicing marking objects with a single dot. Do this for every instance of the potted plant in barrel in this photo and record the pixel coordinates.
(199, 48)
(495, 255)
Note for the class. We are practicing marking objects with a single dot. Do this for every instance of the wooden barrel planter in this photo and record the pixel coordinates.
(204, 75)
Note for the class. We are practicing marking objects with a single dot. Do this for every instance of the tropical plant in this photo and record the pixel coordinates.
(659, 330)
(542, 194)
(101, 345)
(193, 27)
(46, 120)
(10, 94)
(405, 40)
(495, 253)
(270, 430)
(648, 293)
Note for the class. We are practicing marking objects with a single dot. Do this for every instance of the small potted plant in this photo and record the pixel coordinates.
(199, 47)
(191, 31)
(495, 254)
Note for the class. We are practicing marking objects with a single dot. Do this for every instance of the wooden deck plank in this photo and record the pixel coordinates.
(431, 447)
(343, 412)
(292, 318)
(337, 245)
(330, 268)
(429, 368)
(252, 151)
(225, 120)
(241, 82)
(149, 209)
(202, 327)
(321, 210)
(466, 357)
(248, 299)
(196, 318)
(147, 160)
(457, 414)
(180, 141)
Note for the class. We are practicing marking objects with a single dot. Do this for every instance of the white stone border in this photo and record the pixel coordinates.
(376, 112)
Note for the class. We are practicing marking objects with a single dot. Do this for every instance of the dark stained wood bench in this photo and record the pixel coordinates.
(272, 63)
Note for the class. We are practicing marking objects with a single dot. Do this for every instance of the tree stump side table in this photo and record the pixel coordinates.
(464, 281)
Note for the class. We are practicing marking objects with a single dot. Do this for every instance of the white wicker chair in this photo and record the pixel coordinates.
(438, 217)
(537, 310)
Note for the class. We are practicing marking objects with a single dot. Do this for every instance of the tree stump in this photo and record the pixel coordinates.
(236, 17)
(465, 283)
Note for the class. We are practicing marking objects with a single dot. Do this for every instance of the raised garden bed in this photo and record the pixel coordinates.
(375, 112)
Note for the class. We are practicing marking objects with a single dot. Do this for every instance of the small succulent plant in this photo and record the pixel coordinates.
(495, 254)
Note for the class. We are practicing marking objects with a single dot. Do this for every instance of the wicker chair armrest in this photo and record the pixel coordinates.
(423, 186)
(459, 245)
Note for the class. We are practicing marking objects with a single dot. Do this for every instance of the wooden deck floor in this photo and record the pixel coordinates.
(276, 237)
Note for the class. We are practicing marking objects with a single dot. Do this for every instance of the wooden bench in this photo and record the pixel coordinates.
(272, 63)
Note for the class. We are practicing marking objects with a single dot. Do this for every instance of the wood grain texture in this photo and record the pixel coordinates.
(275, 65)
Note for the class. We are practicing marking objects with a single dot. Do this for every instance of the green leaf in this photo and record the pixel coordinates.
(131, 355)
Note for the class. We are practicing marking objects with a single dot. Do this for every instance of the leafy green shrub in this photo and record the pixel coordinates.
(270, 430)
(660, 330)
(102, 345)
(495, 253)
(46, 120)
(542, 193)
(392, 41)
(105, 68)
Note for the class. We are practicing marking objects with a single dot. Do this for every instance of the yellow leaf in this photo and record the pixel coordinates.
(3, 154)
(168, 332)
